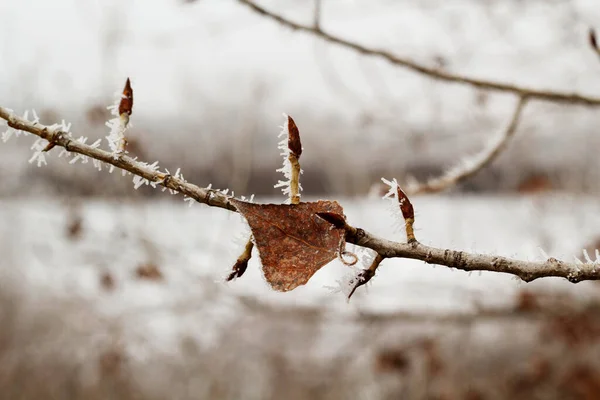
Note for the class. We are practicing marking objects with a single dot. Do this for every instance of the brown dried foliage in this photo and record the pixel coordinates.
(393, 360)
(110, 362)
(573, 329)
(149, 271)
(107, 281)
(292, 241)
(583, 382)
(75, 228)
(535, 184)
(526, 302)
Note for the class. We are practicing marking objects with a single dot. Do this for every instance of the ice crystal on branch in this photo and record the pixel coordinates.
(6, 135)
(38, 153)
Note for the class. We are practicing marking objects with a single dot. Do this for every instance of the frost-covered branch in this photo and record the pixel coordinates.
(471, 165)
(434, 73)
(62, 138)
(526, 270)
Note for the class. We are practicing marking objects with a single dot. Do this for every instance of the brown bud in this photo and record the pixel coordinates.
(238, 269)
(294, 138)
(241, 263)
(49, 146)
(406, 206)
(126, 104)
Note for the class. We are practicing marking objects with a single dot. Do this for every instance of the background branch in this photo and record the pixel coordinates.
(526, 270)
(434, 73)
(470, 166)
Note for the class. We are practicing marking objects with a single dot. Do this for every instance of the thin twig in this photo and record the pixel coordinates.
(470, 166)
(317, 16)
(533, 94)
(526, 270)
(62, 139)
(241, 264)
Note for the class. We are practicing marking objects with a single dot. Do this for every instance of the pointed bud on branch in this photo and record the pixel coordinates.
(294, 143)
(126, 103)
(49, 147)
(408, 212)
(241, 264)
(365, 275)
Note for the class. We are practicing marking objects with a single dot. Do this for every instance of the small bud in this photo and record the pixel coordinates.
(406, 206)
(49, 147)
(241, 263)
(294, 138)
(365, 275)
(238, 269)
(126, 104)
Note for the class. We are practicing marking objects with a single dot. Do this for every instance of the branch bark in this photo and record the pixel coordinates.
(526, 270)
(533, 94)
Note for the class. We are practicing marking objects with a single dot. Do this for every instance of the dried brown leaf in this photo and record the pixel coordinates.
(292, 241)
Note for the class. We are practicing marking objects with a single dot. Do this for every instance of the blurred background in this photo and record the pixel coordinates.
(107, 292)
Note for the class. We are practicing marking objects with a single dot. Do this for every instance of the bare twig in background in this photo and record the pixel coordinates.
(526, 270)
(470, 166)
(434, 73)
(593, 41)
(317, 15)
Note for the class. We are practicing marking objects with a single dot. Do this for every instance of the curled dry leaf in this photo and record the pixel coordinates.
(126, 104)
(292, 241)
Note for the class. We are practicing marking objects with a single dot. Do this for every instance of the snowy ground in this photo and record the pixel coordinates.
(191, 336)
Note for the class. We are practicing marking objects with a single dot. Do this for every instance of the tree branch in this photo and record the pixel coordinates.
(64, 139)
(526, 270)
(533, 94)
(470, 166)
